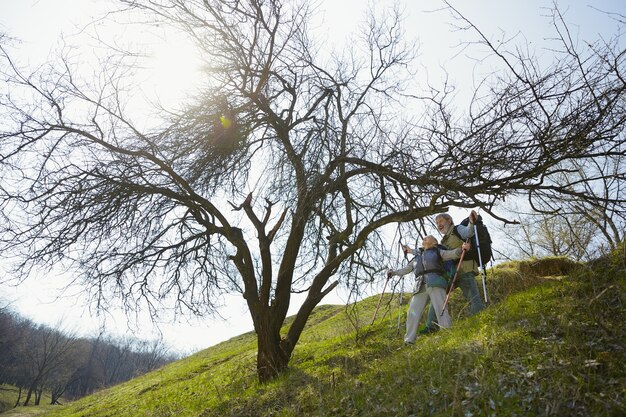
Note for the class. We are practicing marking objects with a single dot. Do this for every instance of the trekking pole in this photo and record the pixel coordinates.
(380, 299)
(406, 258)
(483, 273)
(456, 274)
(400, 305)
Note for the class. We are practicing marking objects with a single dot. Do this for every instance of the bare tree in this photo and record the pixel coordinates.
(586, 226)
(549, 234)
(63, 376)
(42, 359)
(46, 350)
(281, 174)
(13, 330)
(580, 228)
(588, 219)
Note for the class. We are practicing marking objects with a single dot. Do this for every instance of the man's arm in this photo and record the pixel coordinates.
(465, 232)
(450, 254)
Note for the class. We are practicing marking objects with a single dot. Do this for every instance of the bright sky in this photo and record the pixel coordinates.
(39, 25)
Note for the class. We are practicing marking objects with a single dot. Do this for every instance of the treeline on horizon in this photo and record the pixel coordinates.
(43, 362)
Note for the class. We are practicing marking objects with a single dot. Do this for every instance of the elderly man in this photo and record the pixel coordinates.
(453, 237)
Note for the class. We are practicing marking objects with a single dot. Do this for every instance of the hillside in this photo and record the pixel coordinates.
(552, 342)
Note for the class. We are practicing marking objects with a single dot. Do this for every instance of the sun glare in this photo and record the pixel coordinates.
(175, 67)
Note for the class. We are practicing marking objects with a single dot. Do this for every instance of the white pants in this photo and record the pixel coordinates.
(437, 297)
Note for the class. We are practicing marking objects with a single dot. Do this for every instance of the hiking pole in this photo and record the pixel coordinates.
(406, 258)
(456, 274)
(483, 273)
(400, 304)
(380, 299)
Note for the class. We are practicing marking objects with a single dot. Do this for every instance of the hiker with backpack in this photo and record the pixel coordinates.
(430, 283)
(454, 236)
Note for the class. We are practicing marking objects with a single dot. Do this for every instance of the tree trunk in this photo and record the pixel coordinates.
(57, 392)
(38, 394)
(19, 397)
(272, 359)
(31, 389)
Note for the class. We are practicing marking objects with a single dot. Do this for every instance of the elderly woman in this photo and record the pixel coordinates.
(428, 268)
(453, 237)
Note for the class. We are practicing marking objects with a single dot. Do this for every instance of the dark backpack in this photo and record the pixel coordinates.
(484, 241)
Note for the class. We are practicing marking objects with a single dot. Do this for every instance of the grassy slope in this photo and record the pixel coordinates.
(8, 395)
(546, 346)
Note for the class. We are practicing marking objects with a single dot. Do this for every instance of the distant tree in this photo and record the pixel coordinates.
(560, 233)
(10, 337)
(46, 351)
(581, 227)
(115, 359)
(41, 359)
(282, 173)
(62, 377)
(14, 332)
(124, 358)
(89, 375)
(150, 354)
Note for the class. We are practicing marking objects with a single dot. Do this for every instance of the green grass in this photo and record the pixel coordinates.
(8, 396)
(551, 343)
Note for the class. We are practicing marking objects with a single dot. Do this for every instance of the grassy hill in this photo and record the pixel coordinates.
(551, 343)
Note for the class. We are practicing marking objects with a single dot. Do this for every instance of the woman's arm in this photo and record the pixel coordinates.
(403, 271)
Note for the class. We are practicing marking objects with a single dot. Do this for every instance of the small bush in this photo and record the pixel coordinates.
(548, 267)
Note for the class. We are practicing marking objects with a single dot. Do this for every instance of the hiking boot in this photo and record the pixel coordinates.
(428, 330)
